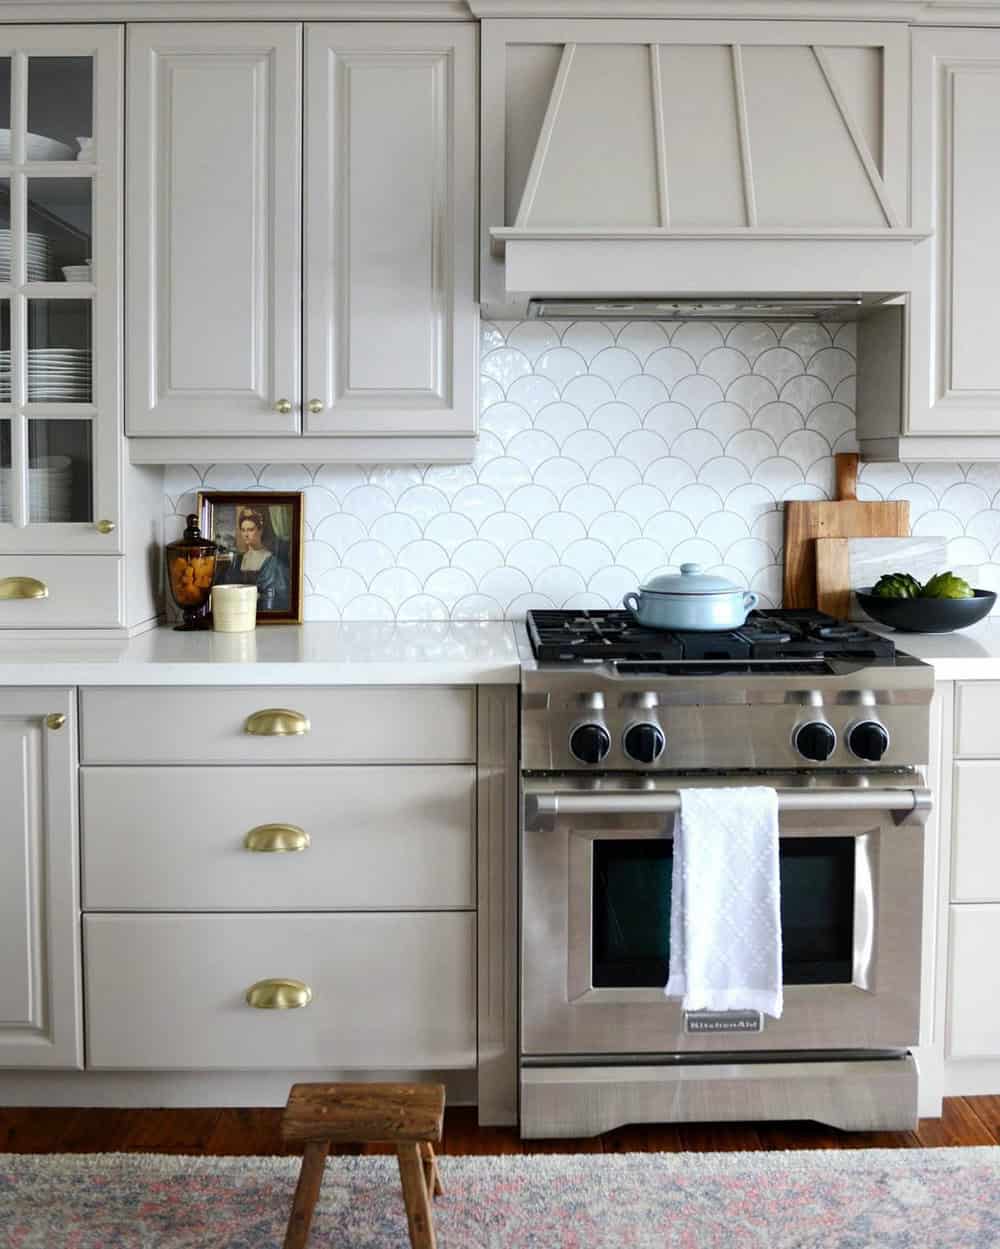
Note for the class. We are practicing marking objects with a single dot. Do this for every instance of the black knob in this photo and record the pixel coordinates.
(590, 743)
(815, 740)
(868, 740)
(644, 742)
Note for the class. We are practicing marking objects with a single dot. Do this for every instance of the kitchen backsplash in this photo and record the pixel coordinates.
(608, 452)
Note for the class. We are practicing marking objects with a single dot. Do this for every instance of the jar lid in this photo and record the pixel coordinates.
(692, 580)
(192, 539)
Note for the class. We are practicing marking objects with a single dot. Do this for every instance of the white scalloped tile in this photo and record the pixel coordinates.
(559, 420)
(533, 393)
(615, 475)
(504, 530)
(724, 420)
(767, 584)
(751, 337)
(588, 338)
(642, 338)
(590, 490)
(560, 529)
(614, 421)
(752, 393)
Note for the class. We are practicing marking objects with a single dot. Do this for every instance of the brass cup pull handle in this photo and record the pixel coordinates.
(278, 995)
(105, 526)
(277, 722)
(22, 587)
(276, 838)
(284, 406)
(55, 721)
(315, 406)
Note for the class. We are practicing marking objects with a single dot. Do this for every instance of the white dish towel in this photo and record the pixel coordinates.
(725, 907)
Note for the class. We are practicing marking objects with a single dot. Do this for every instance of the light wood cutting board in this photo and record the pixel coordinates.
(844, 517)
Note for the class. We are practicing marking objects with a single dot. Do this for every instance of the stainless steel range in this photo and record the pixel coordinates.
(615, 721)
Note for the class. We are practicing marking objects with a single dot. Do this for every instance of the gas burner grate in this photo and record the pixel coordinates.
(576, 636)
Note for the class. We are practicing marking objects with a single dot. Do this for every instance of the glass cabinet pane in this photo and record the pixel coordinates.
(5, 396)
(59, 351)
(4, 108)
(5, 472)
(58, 238)
(60, 107)
(59, 471)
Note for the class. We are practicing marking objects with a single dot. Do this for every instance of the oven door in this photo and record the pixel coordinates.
(595, 922)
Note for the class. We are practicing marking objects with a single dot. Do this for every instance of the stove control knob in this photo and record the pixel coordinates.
(590, 743)
(644, 742)
(815, 740)
(868, 740)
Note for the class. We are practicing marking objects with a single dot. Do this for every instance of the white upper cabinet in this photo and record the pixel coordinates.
(955, 374)
(216, 208)
(391, 337)
(213, 222)
(40, 1003)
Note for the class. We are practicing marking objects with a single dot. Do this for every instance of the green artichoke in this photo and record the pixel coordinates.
(897, 585)
(947, 585)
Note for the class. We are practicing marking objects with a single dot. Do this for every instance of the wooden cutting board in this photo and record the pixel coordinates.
(844, 517)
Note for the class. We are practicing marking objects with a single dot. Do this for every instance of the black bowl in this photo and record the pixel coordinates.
(927, 615)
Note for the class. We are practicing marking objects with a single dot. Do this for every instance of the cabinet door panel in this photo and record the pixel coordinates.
(975, 873)
(973, 1011)
(40, 1023)
(390, 215)
(955, 384)
(213, 228)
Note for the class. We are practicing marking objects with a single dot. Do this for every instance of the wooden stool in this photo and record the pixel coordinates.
(409, 1115)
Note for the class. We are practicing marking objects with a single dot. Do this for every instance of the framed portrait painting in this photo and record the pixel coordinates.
(260, 536)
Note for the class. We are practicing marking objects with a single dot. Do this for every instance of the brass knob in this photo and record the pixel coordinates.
(276, 838)
(284, 406)
(277, 722)
(56, 720)
(105, 526)
(278, 995)
(315, 405)
(22, 587)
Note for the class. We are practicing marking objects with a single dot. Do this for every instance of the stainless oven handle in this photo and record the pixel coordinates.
(908, 806)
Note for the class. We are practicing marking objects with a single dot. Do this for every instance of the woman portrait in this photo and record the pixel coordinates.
(261, 539)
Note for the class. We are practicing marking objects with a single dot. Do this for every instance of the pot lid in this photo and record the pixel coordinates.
(692, 580)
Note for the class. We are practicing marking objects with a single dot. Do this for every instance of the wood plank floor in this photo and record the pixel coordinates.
(966, 1121)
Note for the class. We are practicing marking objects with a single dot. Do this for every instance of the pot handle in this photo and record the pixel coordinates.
(631, 603)
(750, 600)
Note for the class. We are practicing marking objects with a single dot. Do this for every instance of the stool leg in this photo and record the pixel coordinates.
(306, 1194)
(431, 1173)
(415, 1197)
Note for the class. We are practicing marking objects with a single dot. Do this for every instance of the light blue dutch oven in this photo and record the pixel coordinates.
(694, 600)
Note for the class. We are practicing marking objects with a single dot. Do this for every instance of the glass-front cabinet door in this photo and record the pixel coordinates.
(60, 289)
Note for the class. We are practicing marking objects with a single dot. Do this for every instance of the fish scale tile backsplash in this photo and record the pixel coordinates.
(608, 452)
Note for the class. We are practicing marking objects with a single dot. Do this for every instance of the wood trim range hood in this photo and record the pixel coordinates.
(675, 175)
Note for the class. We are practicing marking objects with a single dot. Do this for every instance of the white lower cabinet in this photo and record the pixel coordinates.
(974, 983)
(40, 1009)
(391, 991)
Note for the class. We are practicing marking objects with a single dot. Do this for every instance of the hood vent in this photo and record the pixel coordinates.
(705, 171)
(693, 309)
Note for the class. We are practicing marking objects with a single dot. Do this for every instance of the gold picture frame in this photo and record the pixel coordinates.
(261, 536)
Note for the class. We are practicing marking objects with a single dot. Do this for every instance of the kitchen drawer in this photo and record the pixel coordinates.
(977, 718)
(389, 991)
(347, 724)
(974, 983)
(975, 871)
(381, 838)
(84, 591)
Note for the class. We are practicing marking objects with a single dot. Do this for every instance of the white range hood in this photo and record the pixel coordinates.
(686, 176)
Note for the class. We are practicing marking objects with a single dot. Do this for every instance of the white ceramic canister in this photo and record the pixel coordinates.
(234, 608)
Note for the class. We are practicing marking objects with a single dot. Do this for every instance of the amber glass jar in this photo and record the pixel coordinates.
(191, 563)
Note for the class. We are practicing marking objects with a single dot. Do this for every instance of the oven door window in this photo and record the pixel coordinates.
(631, 911)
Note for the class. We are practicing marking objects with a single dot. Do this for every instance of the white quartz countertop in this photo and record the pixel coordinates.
(965, 655)
(355, 653)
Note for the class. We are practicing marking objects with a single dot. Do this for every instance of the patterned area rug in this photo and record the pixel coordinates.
(864, 1199)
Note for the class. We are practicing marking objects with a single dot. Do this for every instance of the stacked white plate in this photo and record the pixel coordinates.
(38, 258)
(50, 490)
(57, 375)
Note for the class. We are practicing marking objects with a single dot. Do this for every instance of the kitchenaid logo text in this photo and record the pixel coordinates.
(724, 1021)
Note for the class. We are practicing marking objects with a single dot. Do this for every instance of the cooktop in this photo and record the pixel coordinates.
(568, 637)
